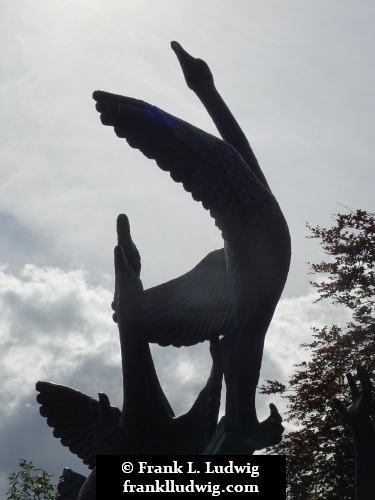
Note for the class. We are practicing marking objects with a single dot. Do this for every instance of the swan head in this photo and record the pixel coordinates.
(196, 72)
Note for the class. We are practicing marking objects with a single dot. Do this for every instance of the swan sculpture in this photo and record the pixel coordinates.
(146, 425)
(232, 292)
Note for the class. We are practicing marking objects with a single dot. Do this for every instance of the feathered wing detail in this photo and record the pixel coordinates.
(191, 308)
(245, 211)
(209, 168)
(68, 412)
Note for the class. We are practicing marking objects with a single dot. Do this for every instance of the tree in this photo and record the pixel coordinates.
(358, 420)
(320, 458)
(30, 483)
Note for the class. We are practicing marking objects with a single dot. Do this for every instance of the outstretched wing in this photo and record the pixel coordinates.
(68, 412)
(209, 168)
(191, 308)
(245, 211)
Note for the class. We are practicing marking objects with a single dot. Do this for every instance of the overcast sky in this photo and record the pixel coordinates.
(299, 77)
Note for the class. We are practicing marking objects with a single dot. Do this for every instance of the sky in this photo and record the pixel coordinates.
(298, 76)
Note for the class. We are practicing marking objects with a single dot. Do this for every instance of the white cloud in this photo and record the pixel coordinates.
(50, 321)
(291, 327)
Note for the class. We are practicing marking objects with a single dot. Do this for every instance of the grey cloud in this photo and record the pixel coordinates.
(56, 326)
(20, 244)
(300, 81)
(78, 346)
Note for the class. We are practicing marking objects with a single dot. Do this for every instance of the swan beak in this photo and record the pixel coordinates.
(183, 57)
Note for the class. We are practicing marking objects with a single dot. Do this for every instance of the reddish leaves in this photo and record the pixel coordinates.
(320, 452)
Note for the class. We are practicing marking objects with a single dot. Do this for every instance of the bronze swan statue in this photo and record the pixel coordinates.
(232, 292)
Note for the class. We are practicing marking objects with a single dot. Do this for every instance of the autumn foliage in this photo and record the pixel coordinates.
(320, 459)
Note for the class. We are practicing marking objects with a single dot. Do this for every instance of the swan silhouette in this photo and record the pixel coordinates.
(234, 291)
(146, 424)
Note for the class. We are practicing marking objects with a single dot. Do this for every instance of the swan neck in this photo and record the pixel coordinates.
(218, 110)
(228, 127)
